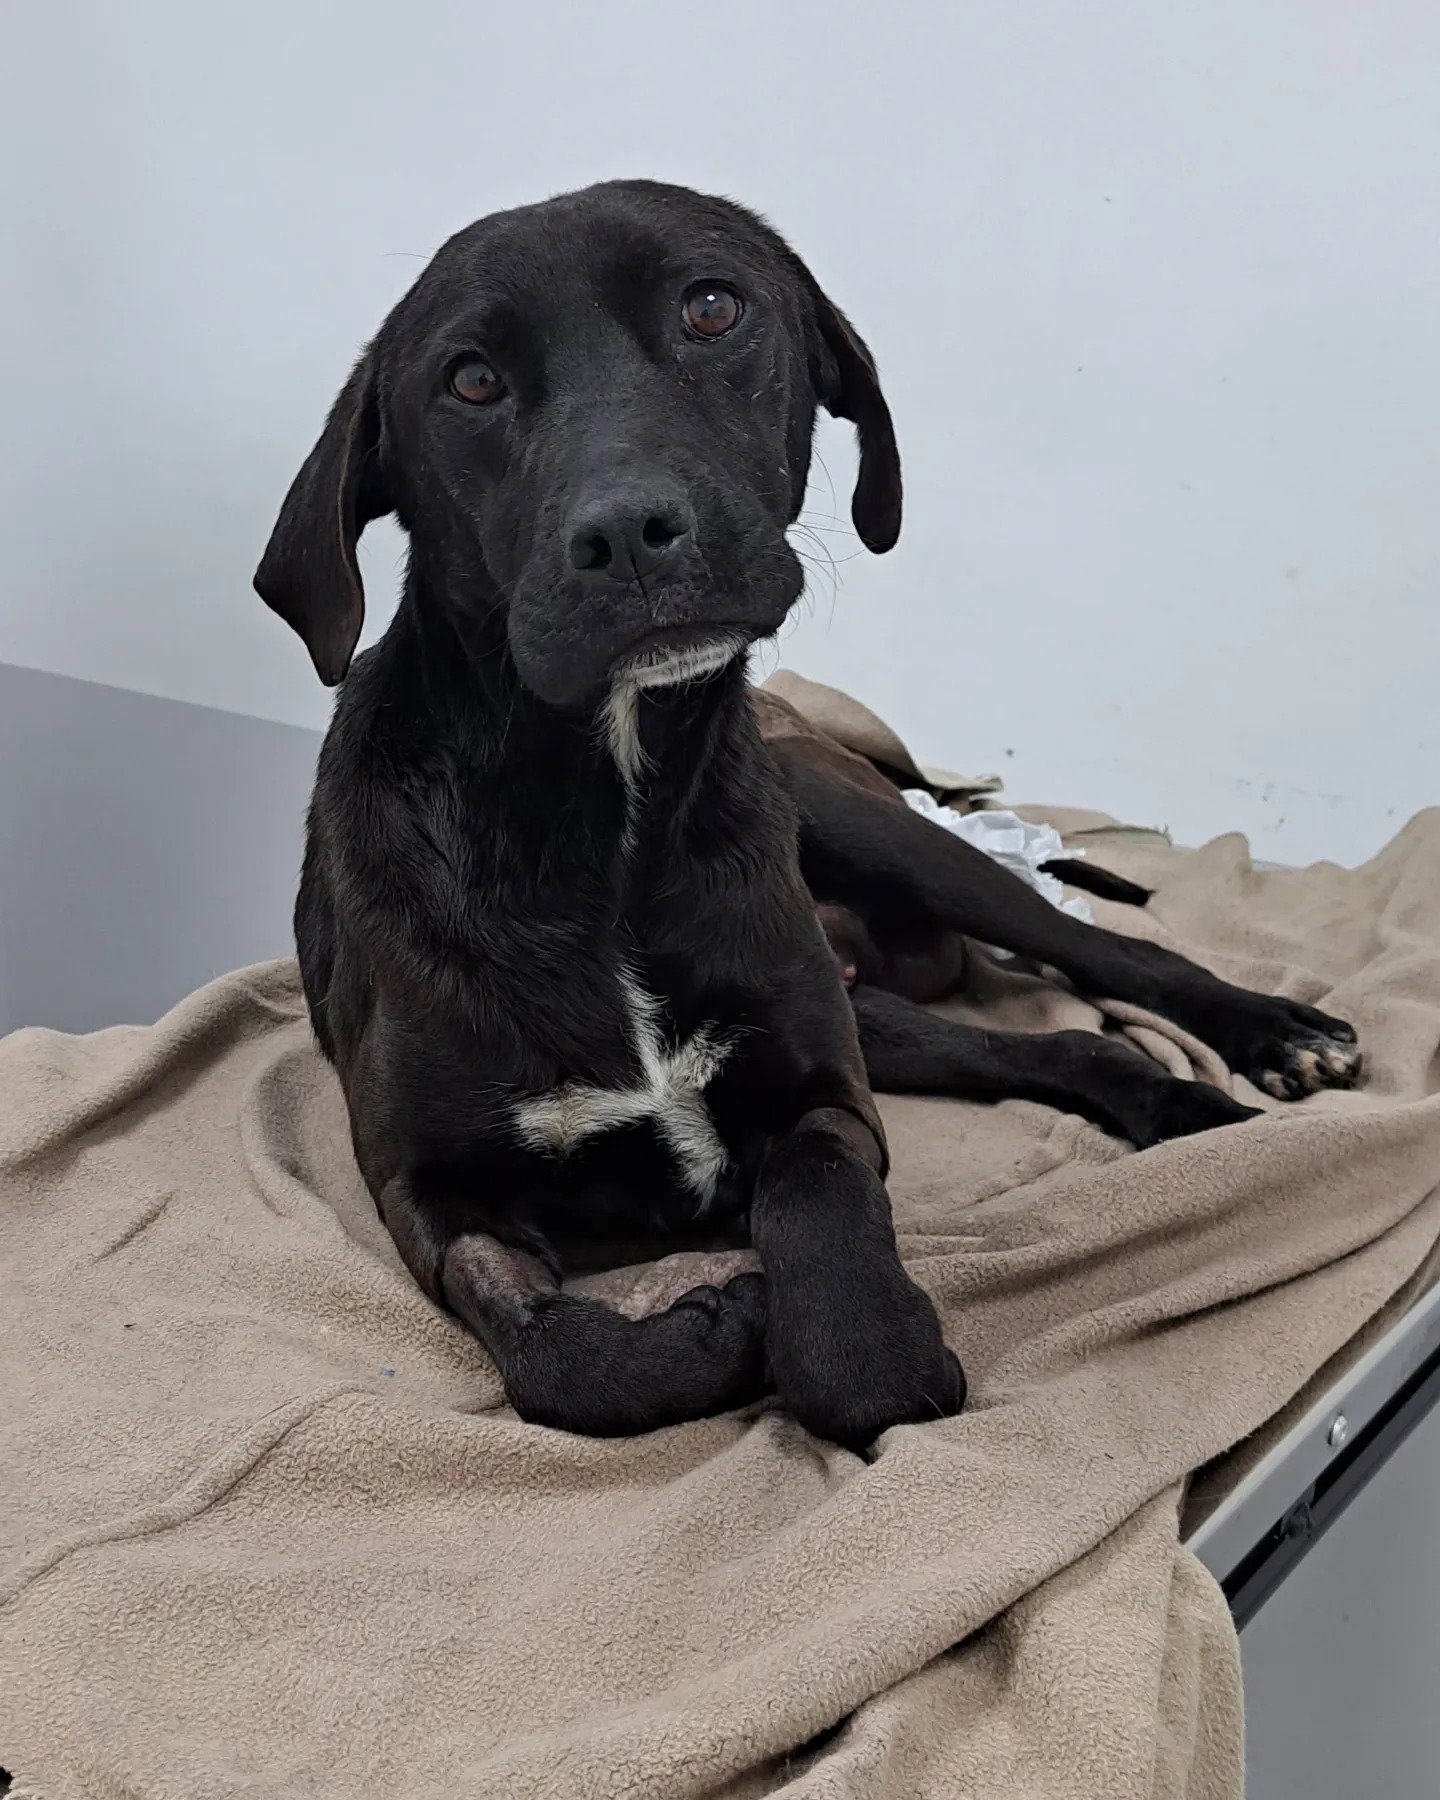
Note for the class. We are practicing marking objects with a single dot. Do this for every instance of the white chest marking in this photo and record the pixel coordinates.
(670, 1093)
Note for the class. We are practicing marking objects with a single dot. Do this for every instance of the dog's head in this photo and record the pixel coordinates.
(595, 416)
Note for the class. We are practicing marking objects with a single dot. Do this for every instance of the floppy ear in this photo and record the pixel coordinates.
(849, 388)
(309, 573)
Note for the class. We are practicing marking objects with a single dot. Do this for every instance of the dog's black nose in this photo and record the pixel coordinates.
(629, 531)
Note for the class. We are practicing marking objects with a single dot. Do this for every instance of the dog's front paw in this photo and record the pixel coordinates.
(579, 1366)
(852, 1372)
(1295, 1050)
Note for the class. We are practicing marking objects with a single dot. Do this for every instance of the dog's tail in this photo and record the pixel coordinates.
(1101, 882)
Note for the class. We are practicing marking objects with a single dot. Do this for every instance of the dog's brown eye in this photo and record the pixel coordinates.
(711, 310)
(476, 383)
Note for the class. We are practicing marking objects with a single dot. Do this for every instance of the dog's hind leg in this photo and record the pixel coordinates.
(901, 873)
(574, 1363)
(908, 1050)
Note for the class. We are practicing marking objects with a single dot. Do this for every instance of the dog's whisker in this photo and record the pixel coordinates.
(820, 563)
(829, 480)
(766, 651)
(824, 561)
(811, 601)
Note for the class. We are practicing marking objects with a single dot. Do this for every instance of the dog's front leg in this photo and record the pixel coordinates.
(573, 1362)
(855, 1346)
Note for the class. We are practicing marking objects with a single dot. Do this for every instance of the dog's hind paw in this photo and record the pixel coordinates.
(1304, 1052)
(1183, 1109)
(1306, 1068)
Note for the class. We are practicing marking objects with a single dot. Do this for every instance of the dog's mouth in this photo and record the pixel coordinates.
(681, 657)
(673, 636)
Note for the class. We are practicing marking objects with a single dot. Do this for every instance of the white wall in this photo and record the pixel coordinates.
(1155, 289)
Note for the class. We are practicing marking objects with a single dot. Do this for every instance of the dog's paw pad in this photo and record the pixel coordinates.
(1307, 1065)
(1342, 1064)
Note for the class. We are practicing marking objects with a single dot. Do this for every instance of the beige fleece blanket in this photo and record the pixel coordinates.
(266, 1526)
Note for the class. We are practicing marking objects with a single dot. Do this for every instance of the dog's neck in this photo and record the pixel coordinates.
(640, 752)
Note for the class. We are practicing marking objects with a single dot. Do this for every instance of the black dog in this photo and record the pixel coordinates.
(556, 925)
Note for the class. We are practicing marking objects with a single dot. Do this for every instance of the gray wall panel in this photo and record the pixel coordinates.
(145, 846)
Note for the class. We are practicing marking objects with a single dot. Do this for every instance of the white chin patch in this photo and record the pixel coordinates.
(660, 669)
(670, 668)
